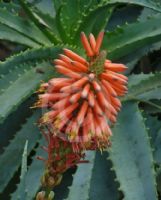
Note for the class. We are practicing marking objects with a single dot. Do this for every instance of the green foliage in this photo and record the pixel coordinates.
(15, 149)
(81, 180)
(144, 89)
(31, 183)
(123, 40)
(130, 142)
(25, 27)
(133, 163)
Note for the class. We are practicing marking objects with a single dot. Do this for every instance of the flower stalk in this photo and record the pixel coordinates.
(81, 107)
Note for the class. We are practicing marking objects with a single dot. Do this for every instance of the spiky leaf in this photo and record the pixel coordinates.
(131, 155)
(23, 26)
(81, 180)
(32, 177)
(156, 5)
(127, 38)
(15, 149)
(144, 89)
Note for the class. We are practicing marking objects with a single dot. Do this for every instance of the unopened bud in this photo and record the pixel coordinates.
(51, 196)
(40, 196)
(51, 181)
(58, 180)
(43, 181)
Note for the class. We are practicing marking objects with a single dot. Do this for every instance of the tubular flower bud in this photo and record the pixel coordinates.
(84, 103)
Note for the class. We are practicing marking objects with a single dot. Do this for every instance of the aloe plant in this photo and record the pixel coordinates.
(131, 168)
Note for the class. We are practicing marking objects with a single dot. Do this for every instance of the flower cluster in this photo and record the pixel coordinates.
(82, 104)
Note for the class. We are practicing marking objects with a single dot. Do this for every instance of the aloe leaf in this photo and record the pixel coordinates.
(15, 149)
(23, 87)
(28, 10)
(159, 179)
(132, 59)
(58, 4)
(135, 79)
(93, 20)
(128, 38)
(11, 7)
(7, 33)
(145, 89)
(8, 79)
(82, 178)
(157, 148)
(131, 155)
(102, 182)
(32, 177)
(23, 26)
(153, 125)
(30, 57)
(47, 21)
(156, 5)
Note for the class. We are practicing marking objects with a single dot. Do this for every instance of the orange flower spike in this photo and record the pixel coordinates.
(113, 78)
(67, 72)
(52, 97)
(87, 97)
(43, 87)
(80, 66)
(102, 100)
(61, 62)
(102, 122)
(67, 89)
(56, 84)
(91, 98)
(74, 131)
(96, 86)
(109, 88)
(99, 42)
(70, 64)
(69, 127)
(98, 131)
(119, 88)
(97, 109)
(110, 116)
(86, 131)
(79, 84)
(59, 105)
(115, 67)
(54, 81)
(48, 117)
(85, 91)
(105, 104)
(82, 112)
(75, 56)
(88, 118)
(92, 41)
(67, 111)
(116, 102)
(66, 60)
(86, 45)
(60, 124)
(107, 61)
(75, 97)
(121, 76)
